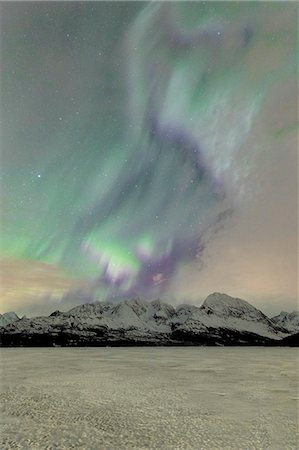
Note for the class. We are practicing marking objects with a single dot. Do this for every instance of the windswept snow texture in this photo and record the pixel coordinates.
(221, 320)
(199, 398)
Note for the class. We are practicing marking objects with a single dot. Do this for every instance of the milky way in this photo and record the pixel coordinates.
(133, 153)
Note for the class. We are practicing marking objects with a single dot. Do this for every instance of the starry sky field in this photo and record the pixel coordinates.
(148, 149)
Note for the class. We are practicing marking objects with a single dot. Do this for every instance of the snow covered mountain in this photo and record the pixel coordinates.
(8, 318)
(221, 320)
(221, 310)
(289, 321)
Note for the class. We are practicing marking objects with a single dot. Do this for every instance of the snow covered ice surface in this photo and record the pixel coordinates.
(149, 398)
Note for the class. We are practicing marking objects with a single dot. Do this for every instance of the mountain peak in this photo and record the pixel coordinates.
(217, 299)
(223, 305)
(8, 318)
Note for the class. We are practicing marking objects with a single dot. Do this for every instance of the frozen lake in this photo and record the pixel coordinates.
(149, 398)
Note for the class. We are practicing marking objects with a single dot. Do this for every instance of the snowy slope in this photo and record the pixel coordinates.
(135, 313)
(7, 318)
(221, 310)
(289, 321)
(223, 305)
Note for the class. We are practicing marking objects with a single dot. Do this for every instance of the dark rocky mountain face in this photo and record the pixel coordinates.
(290, 341)
(221, 320)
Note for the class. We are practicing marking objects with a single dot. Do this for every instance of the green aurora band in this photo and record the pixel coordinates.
(134, 150)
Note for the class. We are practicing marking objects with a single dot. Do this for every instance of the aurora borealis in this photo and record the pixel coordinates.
(148, 149)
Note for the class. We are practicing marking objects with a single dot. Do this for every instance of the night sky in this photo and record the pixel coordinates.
(148, 150)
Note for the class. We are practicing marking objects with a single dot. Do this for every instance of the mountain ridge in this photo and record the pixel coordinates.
(220, 320)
